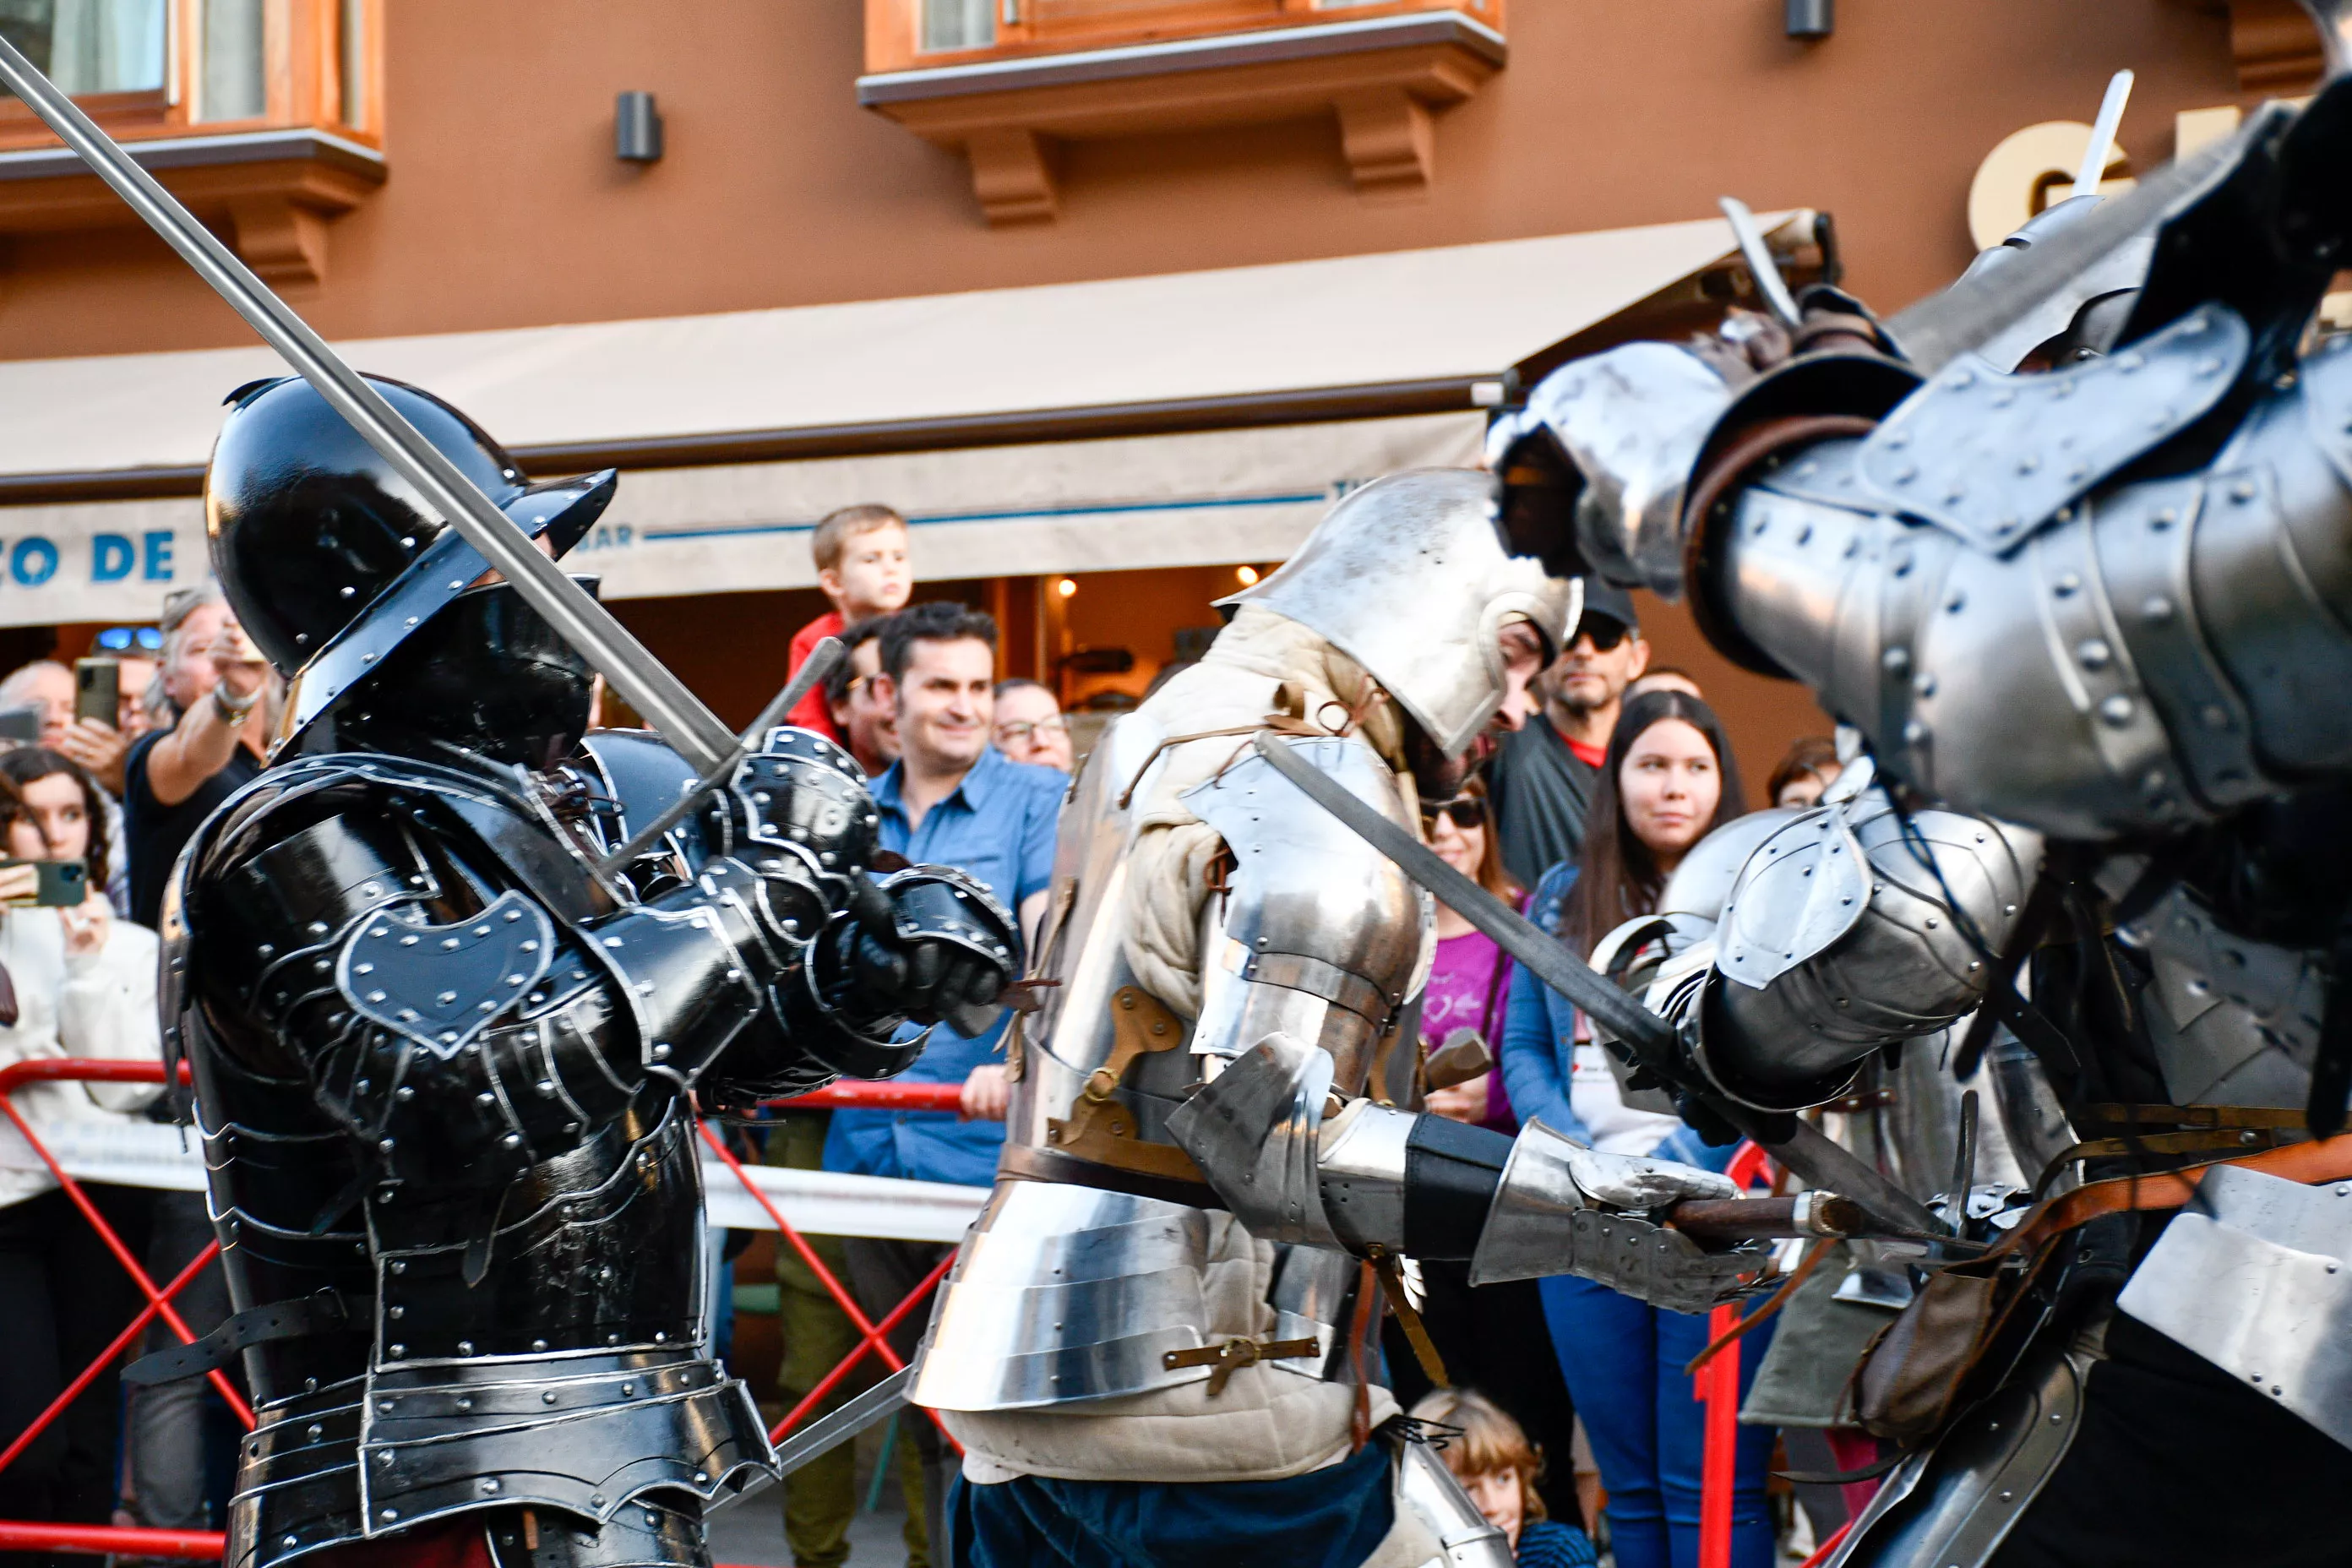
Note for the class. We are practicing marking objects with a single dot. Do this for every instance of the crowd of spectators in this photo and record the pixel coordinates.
(109, 797)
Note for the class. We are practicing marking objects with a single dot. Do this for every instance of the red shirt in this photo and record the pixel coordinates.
(1590, 756)
(813, 712)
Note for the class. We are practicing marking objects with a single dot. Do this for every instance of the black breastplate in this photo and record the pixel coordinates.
(515, 1336)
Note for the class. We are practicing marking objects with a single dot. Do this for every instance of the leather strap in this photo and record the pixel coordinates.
(1234, 1354)
(1101, 1130)
(1416, 1333)
(2101, 1117)
(2326, 1159)
(326, 1311)
(1027, 1164)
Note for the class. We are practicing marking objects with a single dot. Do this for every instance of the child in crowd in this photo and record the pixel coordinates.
(861, 564)
(1497, 1465)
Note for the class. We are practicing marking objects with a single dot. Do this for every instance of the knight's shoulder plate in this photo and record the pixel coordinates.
(1990, 456)
(1259, 812)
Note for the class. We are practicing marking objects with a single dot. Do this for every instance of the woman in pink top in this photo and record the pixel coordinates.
(1491, 1339)
(1470, 978)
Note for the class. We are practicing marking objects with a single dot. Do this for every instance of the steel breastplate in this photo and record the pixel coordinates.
(1093, 1258)
(1064, 1292)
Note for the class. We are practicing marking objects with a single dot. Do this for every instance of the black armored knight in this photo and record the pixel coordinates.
(444, 1062)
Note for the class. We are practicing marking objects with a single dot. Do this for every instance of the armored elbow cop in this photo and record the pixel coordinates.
(1796, 944)
(1372, 1180)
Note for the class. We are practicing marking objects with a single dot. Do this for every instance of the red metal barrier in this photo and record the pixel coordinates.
(1716, 1386)
(866, 1094)
(33, 1536)
(1836, 1540)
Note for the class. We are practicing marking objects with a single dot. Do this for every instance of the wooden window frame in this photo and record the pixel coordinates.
(1382, 69)
(271, 181)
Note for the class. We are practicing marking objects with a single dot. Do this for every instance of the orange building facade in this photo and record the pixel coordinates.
(1111, 297)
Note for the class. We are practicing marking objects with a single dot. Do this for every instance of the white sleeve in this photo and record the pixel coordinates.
(106, 1009)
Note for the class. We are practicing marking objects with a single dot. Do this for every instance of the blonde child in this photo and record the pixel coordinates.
(861, 565)
(1497, 1465)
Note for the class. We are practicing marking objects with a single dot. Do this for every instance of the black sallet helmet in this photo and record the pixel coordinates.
(329, 557)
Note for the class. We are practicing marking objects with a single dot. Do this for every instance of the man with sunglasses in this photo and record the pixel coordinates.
(1543, 774)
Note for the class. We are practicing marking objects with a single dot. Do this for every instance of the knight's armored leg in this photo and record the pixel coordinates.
(444, 1057)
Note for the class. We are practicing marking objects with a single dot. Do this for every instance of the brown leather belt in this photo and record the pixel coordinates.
(2326, 1159)
(1027, 1164)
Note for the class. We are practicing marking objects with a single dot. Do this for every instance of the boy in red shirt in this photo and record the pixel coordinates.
(861, 564)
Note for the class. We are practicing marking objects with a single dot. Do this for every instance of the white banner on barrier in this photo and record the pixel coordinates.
(148, 1154)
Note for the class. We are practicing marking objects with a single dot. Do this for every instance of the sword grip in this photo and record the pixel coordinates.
(1751, 1219)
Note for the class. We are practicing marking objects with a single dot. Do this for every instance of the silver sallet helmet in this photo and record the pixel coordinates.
(1410, 576)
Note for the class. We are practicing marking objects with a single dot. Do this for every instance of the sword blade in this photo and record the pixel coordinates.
(663, 699)
(825, 1435)
(1806, 1151)
(2094, 167)
(1770, 284)
(813, 668)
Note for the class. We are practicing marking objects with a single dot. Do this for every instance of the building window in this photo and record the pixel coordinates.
(958, 24)
(235, 82)
(89, 46)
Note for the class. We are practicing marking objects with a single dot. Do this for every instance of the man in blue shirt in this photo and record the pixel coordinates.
(951, 799)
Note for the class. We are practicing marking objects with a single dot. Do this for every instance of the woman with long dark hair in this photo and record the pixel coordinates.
(74, 982)
(1668, 781)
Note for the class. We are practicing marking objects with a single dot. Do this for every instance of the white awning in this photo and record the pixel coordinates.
(1202, 498)
(926, 389)
(1464, 311)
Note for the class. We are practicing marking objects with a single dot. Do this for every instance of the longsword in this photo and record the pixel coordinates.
(650, 688)
(1796, 1143)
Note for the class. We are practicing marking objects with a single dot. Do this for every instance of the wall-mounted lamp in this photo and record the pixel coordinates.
(1245, 575)
(636, 129)
(1809, 18)
(1066, 586)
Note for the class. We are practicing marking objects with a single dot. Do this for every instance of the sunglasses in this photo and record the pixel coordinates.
(122, 639)
(1602, 633)
(1467, 811)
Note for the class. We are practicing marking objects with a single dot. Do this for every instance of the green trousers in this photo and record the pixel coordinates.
(821, 1497)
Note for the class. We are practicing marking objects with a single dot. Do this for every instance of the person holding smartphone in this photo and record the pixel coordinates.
(74, 981)
(218, 685)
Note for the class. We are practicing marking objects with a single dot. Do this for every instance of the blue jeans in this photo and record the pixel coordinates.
(1623, 1363)
(1330, 1517)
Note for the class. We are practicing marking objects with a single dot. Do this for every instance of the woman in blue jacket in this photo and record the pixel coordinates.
(1668, 781)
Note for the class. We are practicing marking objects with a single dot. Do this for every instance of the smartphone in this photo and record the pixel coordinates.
(63, 885)
(98, 690)
(21, 723)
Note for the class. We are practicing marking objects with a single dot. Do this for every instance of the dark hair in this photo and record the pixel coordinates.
(1619, 877)
(941, 620)
(1490, 874)
(1811, 755)
(1019, 682)
(837, 682)
(26, 763)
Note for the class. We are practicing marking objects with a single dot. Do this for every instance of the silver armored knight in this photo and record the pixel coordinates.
(2094, 620)
(1156, 1333)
